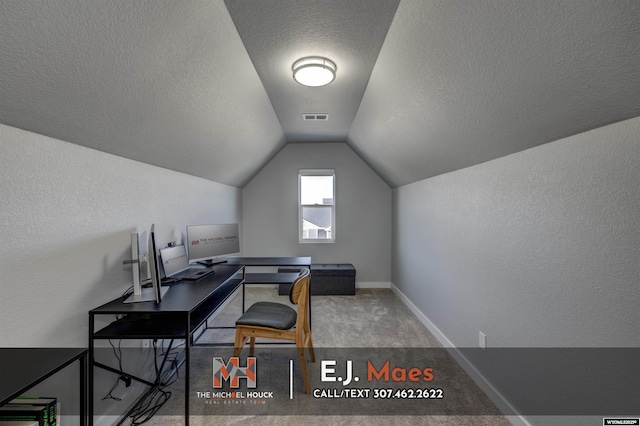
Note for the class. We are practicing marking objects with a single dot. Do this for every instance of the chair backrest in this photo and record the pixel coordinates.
(298, 286)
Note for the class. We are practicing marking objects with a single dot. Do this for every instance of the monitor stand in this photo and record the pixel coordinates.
(211, 262)
(146, 295)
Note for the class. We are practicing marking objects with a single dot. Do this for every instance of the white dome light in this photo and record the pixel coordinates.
(314, 71)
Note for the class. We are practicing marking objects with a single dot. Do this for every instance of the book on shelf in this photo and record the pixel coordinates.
(50, 403)
(22, 412)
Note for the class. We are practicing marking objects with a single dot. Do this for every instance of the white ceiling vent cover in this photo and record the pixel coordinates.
(315, 116)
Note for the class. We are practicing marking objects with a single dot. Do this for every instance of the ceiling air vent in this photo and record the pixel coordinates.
(315, 117)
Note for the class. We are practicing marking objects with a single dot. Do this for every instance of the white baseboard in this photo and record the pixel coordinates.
(373, 284)
(495, 396)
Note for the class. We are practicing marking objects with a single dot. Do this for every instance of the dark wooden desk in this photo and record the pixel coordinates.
(270, 261)
(23, 368)
(271, 278)
(183, 310)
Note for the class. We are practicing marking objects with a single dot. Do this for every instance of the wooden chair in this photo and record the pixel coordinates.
(279, 321)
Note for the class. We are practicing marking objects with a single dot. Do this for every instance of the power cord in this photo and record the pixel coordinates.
(147, 406)
(118, 354)
(155, 398)
(129, 291)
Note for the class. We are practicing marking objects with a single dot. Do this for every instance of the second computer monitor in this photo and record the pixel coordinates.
(210, 242)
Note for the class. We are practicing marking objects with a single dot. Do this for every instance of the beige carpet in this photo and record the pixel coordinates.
(370, 319)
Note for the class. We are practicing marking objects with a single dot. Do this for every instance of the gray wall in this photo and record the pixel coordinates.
(537, 249)
(67, 215)
(363, 211)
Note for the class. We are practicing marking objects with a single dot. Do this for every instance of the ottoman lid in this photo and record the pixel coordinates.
(333, 269)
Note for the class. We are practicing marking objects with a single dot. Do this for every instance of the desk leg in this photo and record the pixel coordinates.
(89, 395)
(83, 389)
(187, 370)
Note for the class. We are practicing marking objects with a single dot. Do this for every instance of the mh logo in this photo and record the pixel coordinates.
(233, 372)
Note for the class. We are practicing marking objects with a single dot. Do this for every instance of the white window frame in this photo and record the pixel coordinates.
(316, 172)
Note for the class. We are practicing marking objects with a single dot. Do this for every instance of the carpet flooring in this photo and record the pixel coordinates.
(372, 325)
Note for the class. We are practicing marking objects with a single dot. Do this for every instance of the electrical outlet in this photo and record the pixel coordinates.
(126, 380)
(482, 340)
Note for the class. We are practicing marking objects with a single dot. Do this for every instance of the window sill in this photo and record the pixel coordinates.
(325, 241)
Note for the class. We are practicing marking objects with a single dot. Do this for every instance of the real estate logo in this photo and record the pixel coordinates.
(232, 372)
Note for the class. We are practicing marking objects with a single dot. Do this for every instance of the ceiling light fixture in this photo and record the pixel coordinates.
(314, 71)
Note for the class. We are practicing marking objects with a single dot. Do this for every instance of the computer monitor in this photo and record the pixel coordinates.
(212, 243)
(174, 260)
(138, 260)
(154, 265)
(156, 291)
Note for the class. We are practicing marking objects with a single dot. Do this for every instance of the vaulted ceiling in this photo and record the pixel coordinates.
(423, 87)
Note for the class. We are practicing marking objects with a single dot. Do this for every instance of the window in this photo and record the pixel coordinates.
(316, 204)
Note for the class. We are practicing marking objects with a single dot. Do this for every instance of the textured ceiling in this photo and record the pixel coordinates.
(276, 33)
(458, 83)
(164, 82)
(423, 87)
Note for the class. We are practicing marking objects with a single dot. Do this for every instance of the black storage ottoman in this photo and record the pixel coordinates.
(337, 279)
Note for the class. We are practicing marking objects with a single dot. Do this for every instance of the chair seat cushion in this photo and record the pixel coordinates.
(269, 314)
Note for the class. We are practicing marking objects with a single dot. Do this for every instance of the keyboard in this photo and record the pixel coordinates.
(193, 274)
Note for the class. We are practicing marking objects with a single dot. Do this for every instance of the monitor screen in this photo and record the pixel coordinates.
(174, 260)
(212, 241)
(154, 265)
